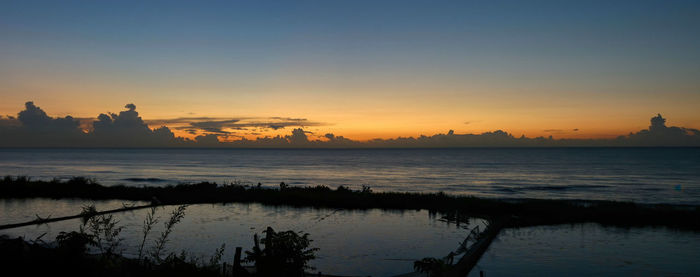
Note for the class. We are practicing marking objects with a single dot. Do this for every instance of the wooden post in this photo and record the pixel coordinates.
(237, 258)
(268, 240)
(481, 273)
(256, 241)
(223, 270)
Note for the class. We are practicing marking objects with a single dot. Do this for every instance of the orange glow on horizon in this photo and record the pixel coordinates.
(364, 135)
(383, 118)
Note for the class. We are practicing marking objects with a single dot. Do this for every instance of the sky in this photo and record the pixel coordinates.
(360, 69)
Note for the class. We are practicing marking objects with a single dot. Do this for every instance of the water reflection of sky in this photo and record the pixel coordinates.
(373, 242)
(382, 243)
(591, 250)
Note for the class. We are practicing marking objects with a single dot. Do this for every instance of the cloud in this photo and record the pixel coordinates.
(36, 119)
(9, 121)
(560, 131)
(127, 129)
(33, 127)
(180, 120)
(659, 134)
(298, 137)
(125, 122)
(207, 140)
(227, 125)
(471, 122)
(213, 126)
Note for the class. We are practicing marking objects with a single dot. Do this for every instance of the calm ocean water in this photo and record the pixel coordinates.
(648, 175)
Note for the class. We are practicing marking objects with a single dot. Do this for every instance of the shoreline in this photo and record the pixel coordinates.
(520, 212)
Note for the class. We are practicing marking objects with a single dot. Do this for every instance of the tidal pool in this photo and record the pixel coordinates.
(591, 250)
(360, 243)
(386, 242)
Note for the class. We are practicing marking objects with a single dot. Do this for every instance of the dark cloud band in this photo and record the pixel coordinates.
(34, 128)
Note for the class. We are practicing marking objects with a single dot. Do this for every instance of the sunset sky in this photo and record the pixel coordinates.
(361, 69)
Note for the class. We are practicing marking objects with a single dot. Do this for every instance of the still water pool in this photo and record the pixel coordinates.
(591, 250)
(385, 242)
(361, 243)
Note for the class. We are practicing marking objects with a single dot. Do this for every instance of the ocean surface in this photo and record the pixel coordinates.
(644, 175)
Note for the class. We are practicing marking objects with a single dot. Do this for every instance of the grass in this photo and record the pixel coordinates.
(96, 250)
(72, 256)
(521, 212)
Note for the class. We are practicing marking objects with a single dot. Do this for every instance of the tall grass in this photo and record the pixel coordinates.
(175, 217)
(147, 226)
(103, 230)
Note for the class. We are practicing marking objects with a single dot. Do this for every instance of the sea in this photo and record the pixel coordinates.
(642, 175)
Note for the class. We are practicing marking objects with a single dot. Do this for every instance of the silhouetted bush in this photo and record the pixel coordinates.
(432, 266)
(73, 243)
(366, 189)
(285, 254)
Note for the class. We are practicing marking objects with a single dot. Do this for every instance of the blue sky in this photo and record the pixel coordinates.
(369, 68)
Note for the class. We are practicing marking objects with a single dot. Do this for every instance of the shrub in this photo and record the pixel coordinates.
(74, 243)
(285, 254)
(434, 267)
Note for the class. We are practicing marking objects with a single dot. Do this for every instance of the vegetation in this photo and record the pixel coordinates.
(95, 250)
(523, 212)
(285, 253)
(432, 266)
(147, 226)
(175, 218)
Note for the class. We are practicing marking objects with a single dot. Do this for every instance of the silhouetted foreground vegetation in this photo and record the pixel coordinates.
(96, 250)
(521, 212)
(32, 259)
(285, 253)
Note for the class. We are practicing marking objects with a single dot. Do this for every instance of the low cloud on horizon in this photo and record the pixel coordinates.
(32, 127)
